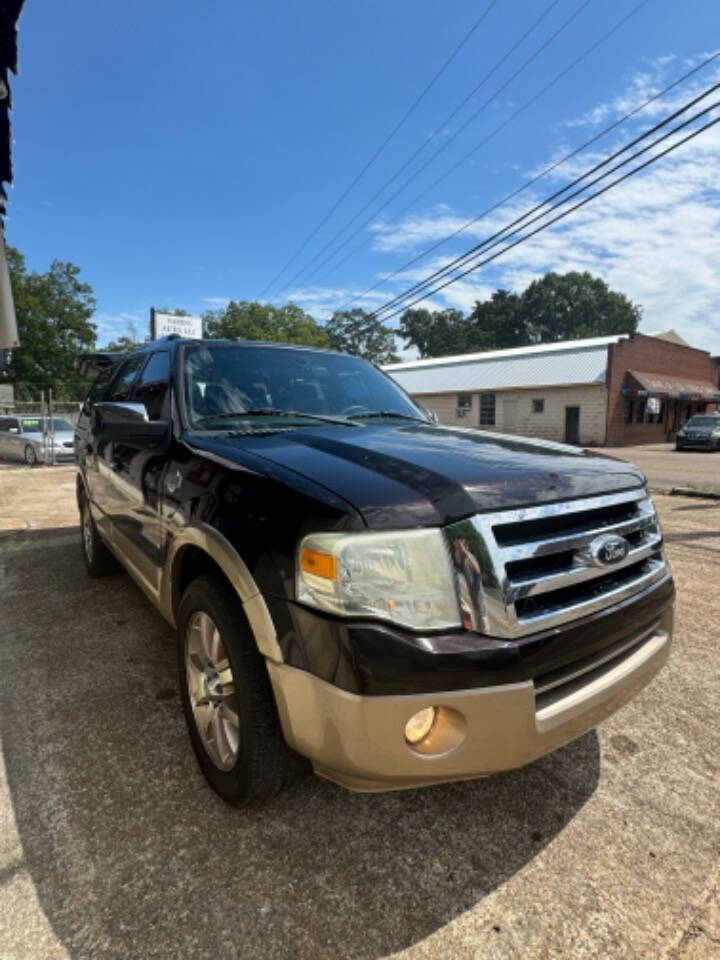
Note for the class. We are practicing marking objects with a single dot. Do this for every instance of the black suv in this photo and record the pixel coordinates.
(398, 602)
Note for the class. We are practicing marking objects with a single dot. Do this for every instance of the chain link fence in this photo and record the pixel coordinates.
(49, 414)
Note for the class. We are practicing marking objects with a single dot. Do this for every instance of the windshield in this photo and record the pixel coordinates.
(704, 422)
(40, 424)
(223, 383)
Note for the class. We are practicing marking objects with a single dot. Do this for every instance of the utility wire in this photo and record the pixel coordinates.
(438, 130)
(561, 216)
(520, 222)
(530, 182)
(482, 143)
(382, 146)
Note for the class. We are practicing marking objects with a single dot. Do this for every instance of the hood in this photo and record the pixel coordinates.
(406, 475)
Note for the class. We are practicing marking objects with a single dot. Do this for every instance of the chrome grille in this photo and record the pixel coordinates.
(537, 566)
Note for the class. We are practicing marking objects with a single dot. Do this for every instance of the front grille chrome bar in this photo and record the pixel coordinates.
(526, 570)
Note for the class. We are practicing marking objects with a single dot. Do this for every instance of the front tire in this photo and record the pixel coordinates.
(99, 562)
(227, 697)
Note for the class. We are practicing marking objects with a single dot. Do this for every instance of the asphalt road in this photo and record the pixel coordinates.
(111, 844)
(665, 467)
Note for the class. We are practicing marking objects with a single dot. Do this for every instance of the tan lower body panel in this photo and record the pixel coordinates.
(359, 742)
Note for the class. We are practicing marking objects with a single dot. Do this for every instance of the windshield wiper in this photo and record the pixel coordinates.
(387, 413)
(273, 412)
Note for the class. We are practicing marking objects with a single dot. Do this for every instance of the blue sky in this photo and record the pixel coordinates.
(181, 152)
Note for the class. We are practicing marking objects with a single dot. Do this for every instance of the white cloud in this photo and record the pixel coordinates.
(656, 237)
(216, 301)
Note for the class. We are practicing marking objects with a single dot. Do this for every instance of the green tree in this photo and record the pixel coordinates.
(567, 306)
(574, 305)
(250, 320)
(360, 333)
(435, 333)
(53, 312)
(495, 323)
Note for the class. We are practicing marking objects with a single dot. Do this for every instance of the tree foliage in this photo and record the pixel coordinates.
(250, 320)
(53, 312)
(568, 306)
(574, 305)
(362, 334)
(435, 333)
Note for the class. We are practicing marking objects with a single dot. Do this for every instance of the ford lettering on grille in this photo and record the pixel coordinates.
(609, 549)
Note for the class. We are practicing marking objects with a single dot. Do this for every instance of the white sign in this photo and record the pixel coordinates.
(163, 324)
(653, 405)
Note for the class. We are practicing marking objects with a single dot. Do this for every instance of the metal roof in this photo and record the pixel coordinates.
(543, 365)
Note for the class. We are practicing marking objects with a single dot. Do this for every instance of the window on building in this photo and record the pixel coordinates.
(538, 405)
(153, 384)
(487, 409)
(654, 410)
(464, 404)
(640, 411)
(629, 409)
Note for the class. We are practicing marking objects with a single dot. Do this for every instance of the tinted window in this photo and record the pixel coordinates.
(123, 383)
(152, 386)
(229, 381)
(5, 423)
(704, 422)
(97, 390)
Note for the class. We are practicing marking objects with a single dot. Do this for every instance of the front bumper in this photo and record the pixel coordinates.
(358, 741)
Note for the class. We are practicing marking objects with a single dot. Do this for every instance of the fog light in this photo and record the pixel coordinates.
(420, 725)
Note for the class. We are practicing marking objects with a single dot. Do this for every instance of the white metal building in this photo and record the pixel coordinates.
(558, 391)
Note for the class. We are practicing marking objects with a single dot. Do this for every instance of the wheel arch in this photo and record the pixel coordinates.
(201, 549)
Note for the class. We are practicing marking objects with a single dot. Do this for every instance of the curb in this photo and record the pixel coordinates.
(691, 492)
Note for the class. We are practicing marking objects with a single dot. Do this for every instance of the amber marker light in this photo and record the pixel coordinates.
(319, 564)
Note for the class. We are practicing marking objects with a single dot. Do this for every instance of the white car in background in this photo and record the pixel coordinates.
(23, 438)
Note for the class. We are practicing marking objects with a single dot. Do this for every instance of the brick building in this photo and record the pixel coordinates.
(616, 390)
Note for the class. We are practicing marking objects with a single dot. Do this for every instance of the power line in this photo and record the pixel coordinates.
(438, 130)
(519, 223)
(531, 181)
(482, 143)
(382, 146)
(562, 215)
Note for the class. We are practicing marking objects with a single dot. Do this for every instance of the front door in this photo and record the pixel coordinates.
(572, 425)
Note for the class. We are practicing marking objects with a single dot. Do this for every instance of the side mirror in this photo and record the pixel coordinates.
(13, 429)
(128, 422)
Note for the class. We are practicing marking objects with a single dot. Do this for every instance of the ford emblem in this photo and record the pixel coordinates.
(608, 549)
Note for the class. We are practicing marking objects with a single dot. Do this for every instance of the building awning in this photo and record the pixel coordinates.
(661, 385)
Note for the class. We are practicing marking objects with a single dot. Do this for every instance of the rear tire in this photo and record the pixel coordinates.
(227, 697)
(31, 457)
(99, 562)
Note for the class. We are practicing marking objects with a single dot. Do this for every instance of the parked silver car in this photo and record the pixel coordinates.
(23, 438)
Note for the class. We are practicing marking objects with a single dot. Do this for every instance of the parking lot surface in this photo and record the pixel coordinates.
(666, 467)
(111, 844)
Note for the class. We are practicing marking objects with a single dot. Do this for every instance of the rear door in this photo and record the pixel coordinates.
(84, 445)
(104, 489)
(136, 476)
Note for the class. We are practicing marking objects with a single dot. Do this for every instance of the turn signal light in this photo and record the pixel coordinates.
(319, 564)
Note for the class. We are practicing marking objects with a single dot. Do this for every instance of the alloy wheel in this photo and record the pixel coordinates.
(87, 532)
(212, 691)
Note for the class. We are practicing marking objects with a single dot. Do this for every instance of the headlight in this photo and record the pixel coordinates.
(403, 576)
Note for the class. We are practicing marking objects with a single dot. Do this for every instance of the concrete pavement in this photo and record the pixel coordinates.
(111, 844)
(666, 467)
